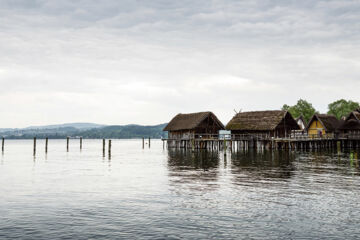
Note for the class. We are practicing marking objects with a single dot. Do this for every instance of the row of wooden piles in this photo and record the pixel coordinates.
(80, 145)
(224, 145)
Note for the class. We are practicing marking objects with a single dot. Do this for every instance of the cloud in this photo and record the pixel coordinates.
(124, 62)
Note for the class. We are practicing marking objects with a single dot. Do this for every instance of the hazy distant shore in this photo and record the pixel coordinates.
(90, 132)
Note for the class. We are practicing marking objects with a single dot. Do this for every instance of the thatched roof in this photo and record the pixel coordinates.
(352, 122)
(190, 121)
(330, 122)
(357, 115)
(259, 120)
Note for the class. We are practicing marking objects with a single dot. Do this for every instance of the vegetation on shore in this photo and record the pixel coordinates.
(120, 132)
(340, 108)
(301, 108)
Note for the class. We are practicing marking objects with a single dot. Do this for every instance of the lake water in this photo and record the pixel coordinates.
(159, 194)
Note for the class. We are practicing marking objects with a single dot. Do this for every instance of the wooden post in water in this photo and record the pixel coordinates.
(143, 142)
(46, 145)
(3, 144)
(109, 148)
(67, 143)
(338, 145)
(80, 143)
(103, 146)
(149, 142)
(34, 149)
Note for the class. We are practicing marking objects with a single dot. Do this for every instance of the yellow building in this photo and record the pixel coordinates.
(322, 126)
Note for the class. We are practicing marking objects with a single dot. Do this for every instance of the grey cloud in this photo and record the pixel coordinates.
(173, 56)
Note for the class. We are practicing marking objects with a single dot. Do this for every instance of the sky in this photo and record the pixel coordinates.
(120, 61)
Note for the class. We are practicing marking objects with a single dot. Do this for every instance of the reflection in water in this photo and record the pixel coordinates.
(330, 162)
(254, 168)
(185, 159)
(354, 160)
(265, 164)
(188, 168)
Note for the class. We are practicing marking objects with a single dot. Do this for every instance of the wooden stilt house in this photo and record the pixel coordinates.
(276, 123)
(351, 125)
(323, 126)
(193, 125)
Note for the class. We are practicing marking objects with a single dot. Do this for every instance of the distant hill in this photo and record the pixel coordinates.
(86, 130)
(6, 129)
(126, 131)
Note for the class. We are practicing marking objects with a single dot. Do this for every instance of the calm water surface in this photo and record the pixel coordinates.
(159, 194)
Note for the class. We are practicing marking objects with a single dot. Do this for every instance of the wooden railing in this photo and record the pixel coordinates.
(233, 137)
(247, 137)
(349, 136)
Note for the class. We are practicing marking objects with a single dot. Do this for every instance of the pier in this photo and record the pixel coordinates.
(235, 142)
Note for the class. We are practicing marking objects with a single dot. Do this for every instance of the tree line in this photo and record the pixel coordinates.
(120, 131)
(340, 108)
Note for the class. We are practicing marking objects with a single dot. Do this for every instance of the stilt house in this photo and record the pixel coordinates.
(351, 125)
(192, 125)
(276, 123)
(323, 125)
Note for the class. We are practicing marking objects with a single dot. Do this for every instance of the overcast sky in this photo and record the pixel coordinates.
(120, 62)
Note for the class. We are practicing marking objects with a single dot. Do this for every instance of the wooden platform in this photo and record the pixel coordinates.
(237, 142)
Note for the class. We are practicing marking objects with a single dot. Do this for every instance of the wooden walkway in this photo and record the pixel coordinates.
(246, 141)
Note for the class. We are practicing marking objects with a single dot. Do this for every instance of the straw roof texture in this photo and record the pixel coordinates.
(357, 115)
(258, 120)
(352, 122)
(190, 121)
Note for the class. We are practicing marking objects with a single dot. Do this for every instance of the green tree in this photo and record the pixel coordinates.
(302, 107)
(285, 107)
(341, 108)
